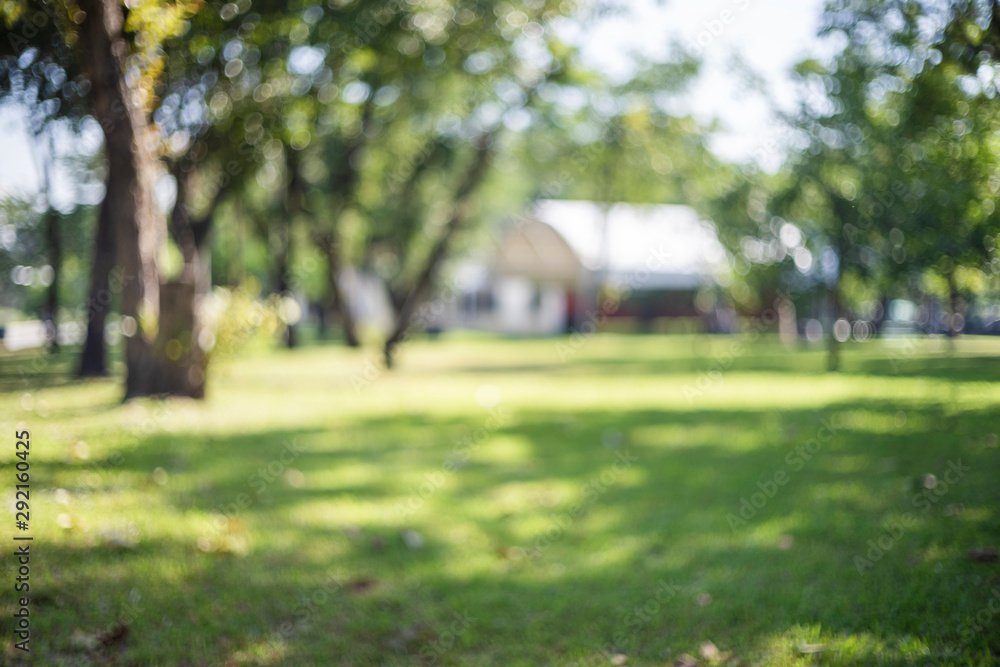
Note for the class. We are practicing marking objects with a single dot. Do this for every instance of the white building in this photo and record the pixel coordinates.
(546, 269)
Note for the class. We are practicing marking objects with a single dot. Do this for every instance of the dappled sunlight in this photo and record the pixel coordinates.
(334, 514)
(855, 495)
(535, 523)
(978, 514)
(481, 332)
(684, 436)
(345, 476)
(527, 496)
(499, 451)
(271, 651)
(803, 643)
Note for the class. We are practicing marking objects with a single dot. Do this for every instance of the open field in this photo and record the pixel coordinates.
(490, 503)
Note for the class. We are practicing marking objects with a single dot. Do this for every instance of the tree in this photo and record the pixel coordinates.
(129, 204)
(928, 116)
(616, 142)
(889, 167)
(410, 141)
(40, 81)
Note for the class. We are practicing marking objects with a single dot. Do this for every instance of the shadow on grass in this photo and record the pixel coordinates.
(490, 551)
(36, 369)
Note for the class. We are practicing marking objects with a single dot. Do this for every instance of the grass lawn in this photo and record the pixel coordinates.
(491, 503)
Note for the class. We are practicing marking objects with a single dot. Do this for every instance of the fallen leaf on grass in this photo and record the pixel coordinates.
(361, 585)
(119, 537)
(116, 634)
(510, 553)
(413, 539)
(410, 639)
(685, 660)
(83, 641)
(811, 648)
(234, 545)
(619, 659)
(954, 509)
(709, 651)
(984, 555)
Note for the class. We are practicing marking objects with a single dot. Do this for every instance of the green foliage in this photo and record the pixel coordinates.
(895, 168)
(604, 141)
(22, 246)
(240, 319)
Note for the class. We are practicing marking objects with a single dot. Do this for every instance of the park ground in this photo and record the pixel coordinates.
(610, 500)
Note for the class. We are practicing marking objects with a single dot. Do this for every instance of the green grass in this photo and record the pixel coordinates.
(515, 552)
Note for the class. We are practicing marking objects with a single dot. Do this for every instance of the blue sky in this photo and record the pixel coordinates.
(769, 36)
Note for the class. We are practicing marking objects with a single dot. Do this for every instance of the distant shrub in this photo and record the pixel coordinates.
(238, 319)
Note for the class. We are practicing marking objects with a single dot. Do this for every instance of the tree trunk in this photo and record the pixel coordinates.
(881, 314)
(840, 211)
(283, 269)
(93, 361)
(178, 342)
(130, 205)
(954, 307)
(322, 321)
(54, 243)
(179, 338)
(241, 244)
(788, 325)
(459, 216)
(345, 183)
(191, 236)
(327, 241)
(833, 350)
(336, 297)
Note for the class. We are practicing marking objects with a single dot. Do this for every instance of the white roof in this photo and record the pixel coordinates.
(673, 243)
